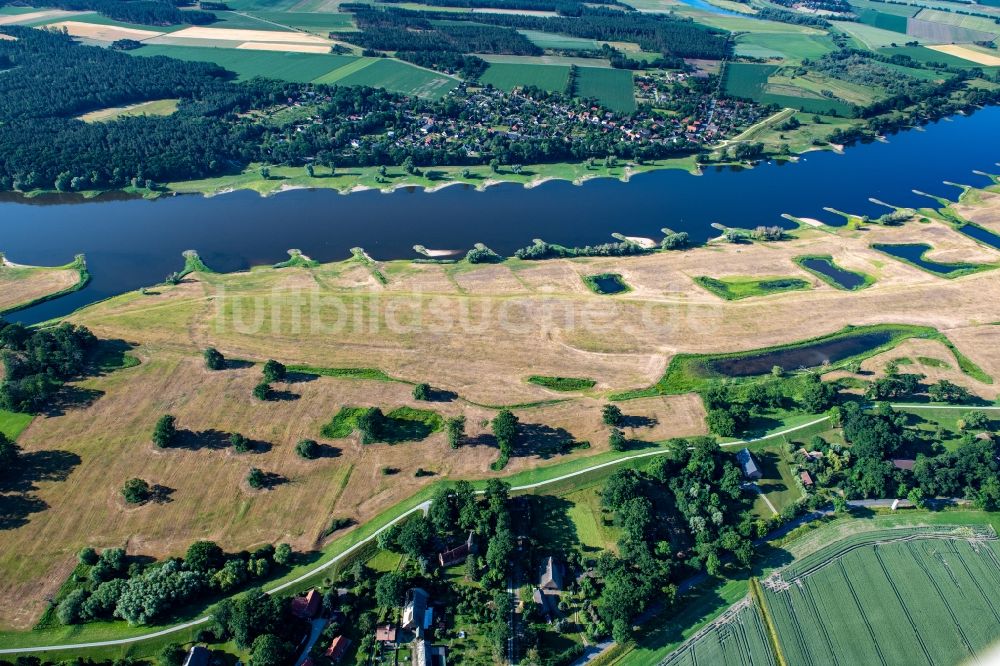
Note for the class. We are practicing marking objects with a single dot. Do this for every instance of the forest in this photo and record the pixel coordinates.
(142, 12)
(663, 34)
(409, 31)
(563, 7)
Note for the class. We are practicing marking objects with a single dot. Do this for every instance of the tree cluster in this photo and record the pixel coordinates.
(37, 361)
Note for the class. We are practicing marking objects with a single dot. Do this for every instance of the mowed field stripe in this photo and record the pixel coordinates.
(345, 71)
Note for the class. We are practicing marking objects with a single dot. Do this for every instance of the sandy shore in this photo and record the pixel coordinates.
(642, 241)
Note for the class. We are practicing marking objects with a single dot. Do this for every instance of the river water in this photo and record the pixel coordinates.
(134, 243)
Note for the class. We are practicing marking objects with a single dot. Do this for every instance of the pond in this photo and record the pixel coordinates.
(842, 278)
(914, 254)
(806, 356)
(606, 283)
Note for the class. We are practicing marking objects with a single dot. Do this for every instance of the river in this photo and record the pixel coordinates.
(133, 243)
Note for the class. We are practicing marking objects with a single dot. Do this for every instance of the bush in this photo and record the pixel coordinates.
(616, 440)
(456, 431)
(136, 491)
(256, 478)
(70, 609)
(308, 449)
(262, 391)
(675, 241)
(480, 254)
(165, 431)
(611, 415)
(214, 360)
(422, 392)
(204, 556)
(239, 442)
(370, 423)
(172, 655)
(274, 372)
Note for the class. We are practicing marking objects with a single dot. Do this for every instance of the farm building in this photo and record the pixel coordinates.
(198, 656)
(749, 466)
(415, 610)
(904, 463)
(806, 479)
(547, 604)
(551, 576)
(307, 607)
(456, 555)
(338, 646)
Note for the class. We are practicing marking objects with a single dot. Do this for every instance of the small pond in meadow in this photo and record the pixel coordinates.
(805, 356)
(914, 253)
(606, 283)
(842, 278)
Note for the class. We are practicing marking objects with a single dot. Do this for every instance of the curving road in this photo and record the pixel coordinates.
(422, 507)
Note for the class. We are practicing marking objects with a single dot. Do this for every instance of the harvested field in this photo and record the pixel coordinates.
(293, 48)
(34, 17)
(267, 36)
(985, 212)
(103, 33)
(932, 32)
(968, 54)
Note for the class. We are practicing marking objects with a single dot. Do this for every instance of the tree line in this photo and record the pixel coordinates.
(143, 12)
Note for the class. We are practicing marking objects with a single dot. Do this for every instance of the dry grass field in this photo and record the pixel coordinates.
(23, 284)
(103, 33)
(476, 331)
(985, 211)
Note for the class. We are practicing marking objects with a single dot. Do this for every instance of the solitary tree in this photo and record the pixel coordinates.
(214, 360)
(422, 392)
(612, 415)
(165, 431)
(308, 449)
(310, 170)
(456, 431)
(274, 372)
(136, 491)
(370, 423)
(239, 442)
(262, 391)
(505, 430)
(256, 478)
(616, 440)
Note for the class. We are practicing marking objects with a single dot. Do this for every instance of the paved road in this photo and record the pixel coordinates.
(423, 507)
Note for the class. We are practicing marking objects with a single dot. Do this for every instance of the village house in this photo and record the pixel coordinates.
(551, 577)
(385, 634)
(415, 609)
(338, 647)
(456, 555)
(307, 607)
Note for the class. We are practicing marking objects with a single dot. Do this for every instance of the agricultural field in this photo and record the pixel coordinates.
(401, 77)
(611, 87)
(509, 76)
(753, 81)
(929, 56)
(908, 598)
(298, 67)
(737, 638)
(789, 47)
(870, 37)
(318, 22)
(978, 23)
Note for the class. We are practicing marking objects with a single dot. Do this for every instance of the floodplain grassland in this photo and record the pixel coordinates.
(23, 286)
(104, 437)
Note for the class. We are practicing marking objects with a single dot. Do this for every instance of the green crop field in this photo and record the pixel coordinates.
(886, 8)
(886, 21)
(872, 37)
(401, 77)
(893, 597)
(736, 638)
(611, 87)
(311, 21)
(298, 67)
(507, 76)
(234, 21)
(789, 47)
(13, 424)
(750, 81)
